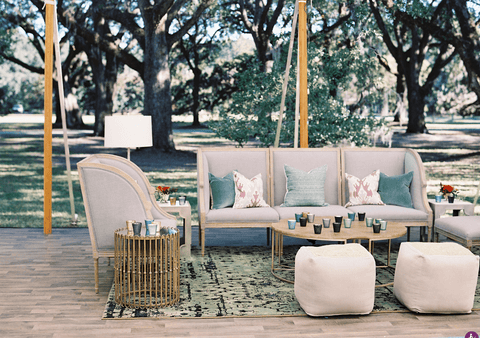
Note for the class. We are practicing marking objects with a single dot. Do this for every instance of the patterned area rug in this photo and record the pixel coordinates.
(236, 281)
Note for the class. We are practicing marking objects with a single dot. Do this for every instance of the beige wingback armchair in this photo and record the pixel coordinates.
(115, 190)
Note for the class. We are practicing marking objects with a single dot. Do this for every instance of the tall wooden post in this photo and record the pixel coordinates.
(302, 50)
(47, 126)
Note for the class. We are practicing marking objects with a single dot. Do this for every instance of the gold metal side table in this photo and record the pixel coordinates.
(147, 269)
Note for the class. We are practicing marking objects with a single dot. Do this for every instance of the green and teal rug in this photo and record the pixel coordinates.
(236, 282)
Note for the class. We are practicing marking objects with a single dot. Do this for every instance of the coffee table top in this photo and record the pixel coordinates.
(359, 230)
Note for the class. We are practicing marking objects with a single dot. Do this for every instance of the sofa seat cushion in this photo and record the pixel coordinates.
(466, 227)
(391, 212)
(330, 210)
(248, 215)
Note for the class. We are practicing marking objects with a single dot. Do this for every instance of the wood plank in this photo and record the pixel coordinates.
(47, 290)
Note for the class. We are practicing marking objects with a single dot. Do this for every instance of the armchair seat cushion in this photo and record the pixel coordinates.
(248, 215)
(392, 212)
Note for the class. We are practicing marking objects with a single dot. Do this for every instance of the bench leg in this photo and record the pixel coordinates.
(202, 236)
(95, 268)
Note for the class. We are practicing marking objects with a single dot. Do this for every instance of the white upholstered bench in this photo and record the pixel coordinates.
(462, 229)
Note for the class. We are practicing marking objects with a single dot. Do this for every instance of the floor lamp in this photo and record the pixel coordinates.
(128, 131)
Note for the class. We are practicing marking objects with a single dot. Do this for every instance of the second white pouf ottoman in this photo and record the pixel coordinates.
(436, 277)
(335, 280)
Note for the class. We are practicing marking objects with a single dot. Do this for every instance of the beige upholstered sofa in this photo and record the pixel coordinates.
(270, 163)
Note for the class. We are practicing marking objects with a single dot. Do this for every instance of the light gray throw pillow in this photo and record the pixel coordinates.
(305, 189)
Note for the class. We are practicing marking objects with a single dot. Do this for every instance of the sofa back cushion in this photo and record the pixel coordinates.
(221, 161)
(361, 162)
(397, 161)
(306, 159)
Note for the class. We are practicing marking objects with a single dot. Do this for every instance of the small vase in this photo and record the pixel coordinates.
(163, 198)
(451, 199)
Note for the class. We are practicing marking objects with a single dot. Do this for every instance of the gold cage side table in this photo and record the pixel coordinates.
(147, 269)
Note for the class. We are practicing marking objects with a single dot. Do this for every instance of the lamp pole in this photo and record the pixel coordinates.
(303, 84)
(47, 126)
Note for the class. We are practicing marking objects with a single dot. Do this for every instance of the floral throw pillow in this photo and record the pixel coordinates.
(248, 192)
(363, 191)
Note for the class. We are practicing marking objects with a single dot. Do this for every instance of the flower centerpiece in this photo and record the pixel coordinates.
(163, 193)
(449, 192)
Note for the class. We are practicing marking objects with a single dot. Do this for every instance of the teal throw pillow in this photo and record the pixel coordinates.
(395, 190)
(305, 189)
(223, 190)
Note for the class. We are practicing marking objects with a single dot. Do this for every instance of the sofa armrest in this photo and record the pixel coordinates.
(418, 189)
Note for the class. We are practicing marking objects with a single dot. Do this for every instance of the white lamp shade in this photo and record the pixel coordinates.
(128, 131)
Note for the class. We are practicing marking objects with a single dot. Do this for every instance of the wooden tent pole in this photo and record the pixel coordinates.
(285, 81)
(302, 48)
(47, 126)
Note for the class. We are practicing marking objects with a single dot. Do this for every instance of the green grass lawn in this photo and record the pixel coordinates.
(21, 176)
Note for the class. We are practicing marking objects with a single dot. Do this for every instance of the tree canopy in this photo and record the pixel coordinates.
(178, 48)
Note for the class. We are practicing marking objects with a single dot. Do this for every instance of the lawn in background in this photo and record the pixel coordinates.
(21, 175)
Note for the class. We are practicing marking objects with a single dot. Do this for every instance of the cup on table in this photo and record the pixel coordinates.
(130, 227)
(303, 221)
(317, 228)
(351, 215)
(311, 218)
(291, 224)
(347, 223)
(152, 229)
(377, 220)
(137, 227)
(298, 216)
(369, 221)
(181, 200)
(383, 225)
(147, 229)
(438, 198)
(337, 226)
(361, 216)
(338, 219)
(376, 228)
(173, 200)
(326, 222)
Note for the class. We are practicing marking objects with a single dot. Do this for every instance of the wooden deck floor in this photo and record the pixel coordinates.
(47, 290)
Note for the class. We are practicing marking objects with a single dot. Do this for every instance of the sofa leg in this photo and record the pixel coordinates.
(202, 235)
(408, 234)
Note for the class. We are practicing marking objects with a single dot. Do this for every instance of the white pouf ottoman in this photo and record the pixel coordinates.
(436, 277)
(335, 280)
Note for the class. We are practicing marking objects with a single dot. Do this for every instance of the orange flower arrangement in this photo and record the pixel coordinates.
(448, 189)
(166, 190)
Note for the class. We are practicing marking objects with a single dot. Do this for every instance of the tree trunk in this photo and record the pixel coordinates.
(72, 110)
(105, 78)
(157, 100)
(416, 116)
(196, 95)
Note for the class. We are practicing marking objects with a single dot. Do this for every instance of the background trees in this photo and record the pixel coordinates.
(172, 56)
